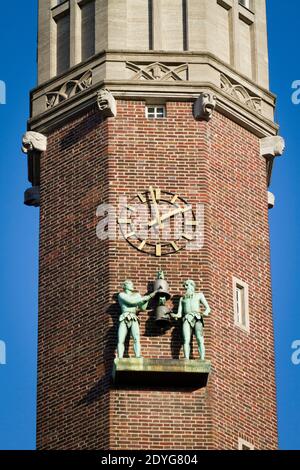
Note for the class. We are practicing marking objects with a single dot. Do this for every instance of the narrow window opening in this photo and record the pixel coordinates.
(185, 25)
(241, 307)
(62, 43)
(240, 304)
(87, 30)
(150, 16)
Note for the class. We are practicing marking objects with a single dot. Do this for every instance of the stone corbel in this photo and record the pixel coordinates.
(106, 103)
(271, 200)
(270, 148)
(33, 145)
(204, 106)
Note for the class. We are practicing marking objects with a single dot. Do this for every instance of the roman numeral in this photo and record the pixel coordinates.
(131, 234)
(175, 246)
(141, 246)
(158, 250)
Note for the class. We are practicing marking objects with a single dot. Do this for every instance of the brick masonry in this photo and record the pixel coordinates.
(90, 161)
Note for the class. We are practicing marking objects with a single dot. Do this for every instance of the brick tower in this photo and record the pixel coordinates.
(171, 95)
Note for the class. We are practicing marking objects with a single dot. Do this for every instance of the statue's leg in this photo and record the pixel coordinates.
(135, 333)
(122, 333)
(187, 336)
(200, 339)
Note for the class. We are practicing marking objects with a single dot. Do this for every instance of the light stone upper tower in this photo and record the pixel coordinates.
(155, 49)
(139, 98)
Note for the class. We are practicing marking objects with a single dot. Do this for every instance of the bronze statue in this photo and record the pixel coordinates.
(131, 303)
(192, 318)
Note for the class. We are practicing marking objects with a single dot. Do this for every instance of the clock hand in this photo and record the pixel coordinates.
(158, 219)
(169, 215)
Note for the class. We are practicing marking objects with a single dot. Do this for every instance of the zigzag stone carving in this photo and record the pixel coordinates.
(158, 71)
(240, 93)
(69, 89)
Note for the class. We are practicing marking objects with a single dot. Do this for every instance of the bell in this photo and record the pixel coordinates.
(162, 287)
(162, 312)
(162, 316)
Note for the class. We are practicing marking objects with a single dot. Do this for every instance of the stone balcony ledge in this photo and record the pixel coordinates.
(162, 373)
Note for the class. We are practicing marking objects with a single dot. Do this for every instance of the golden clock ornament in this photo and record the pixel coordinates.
(157, 222)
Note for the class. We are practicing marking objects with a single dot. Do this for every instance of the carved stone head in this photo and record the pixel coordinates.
(107, 103)
(273, 146)
(34, 141)
(271, 200)
(205, 106)
(279, 147)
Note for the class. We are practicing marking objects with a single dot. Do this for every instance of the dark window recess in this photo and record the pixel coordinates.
(150, 15)
(185, 17)
(63, 44)
(87, 30)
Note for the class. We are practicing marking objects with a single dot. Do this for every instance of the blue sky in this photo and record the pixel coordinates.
(284, 26)
(19, 226)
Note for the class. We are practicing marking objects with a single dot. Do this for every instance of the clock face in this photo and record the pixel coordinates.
(157, 222)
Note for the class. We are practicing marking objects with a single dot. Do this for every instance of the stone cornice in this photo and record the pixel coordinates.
(153, 75)
(238, 112)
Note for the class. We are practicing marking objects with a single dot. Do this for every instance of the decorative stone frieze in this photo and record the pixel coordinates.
(240, 93)
(158, 71)
(69, 89)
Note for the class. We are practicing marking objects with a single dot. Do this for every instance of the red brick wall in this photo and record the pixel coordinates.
(244, 396)
(73, 376)
(214, 163)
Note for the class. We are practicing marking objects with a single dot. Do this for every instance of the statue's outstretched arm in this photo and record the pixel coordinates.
(123, 299)
(143, 303)
(179, 311)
